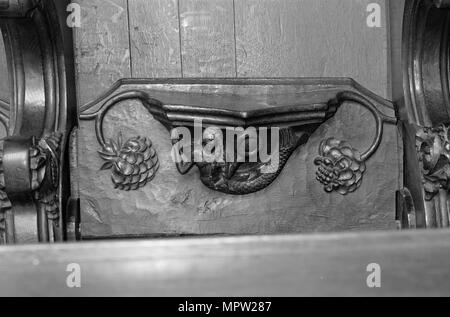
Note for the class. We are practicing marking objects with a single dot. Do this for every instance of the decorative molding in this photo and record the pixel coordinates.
(47, 169)
(425, 113)
(433, 146)
(302, 106)
(43, 164)
(4, 115)
(41, 111)
(426, 63)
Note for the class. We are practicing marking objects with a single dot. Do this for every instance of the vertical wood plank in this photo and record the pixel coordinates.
(207, 38)
(102, 51)
(317, 38)
(155, 41)
(396, 8)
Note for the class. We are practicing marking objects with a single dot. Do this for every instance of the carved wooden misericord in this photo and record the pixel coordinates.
(296, 107)
(53, 149)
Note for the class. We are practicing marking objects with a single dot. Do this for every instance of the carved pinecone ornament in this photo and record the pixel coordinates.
(133, 163)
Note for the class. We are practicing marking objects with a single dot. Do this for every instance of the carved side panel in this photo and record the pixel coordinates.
(173, 204)
(165, 41)
(40, 113)
(425, 113)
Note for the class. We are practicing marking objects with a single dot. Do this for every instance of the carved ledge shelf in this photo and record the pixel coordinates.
(297, 107)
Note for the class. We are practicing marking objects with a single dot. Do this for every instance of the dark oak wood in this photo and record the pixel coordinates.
(319, 38)
(396, 11)
(222, 38)
(208, 38)
(102, 50)
(174, 204)
(154, 38)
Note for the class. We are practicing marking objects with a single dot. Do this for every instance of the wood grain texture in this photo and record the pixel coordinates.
(155, 41)
(412, 264)
(312, 38)
(396, 8)
(274, 38)
(207, 38)
(101, 47)
(173, 204)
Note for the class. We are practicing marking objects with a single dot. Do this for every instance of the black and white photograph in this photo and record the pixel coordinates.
(224, 154)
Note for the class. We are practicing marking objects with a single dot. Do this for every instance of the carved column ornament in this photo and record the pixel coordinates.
(425, 114)
(433, 146)
(34, 176)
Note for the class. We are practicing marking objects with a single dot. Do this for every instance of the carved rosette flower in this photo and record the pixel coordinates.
(341, 168)
(133, 163)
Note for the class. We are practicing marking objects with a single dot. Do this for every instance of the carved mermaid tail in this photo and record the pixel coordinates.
(248, 178)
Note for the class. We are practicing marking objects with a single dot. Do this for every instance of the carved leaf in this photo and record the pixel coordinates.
(107, 166)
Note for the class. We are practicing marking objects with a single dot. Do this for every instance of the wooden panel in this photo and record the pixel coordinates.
(207, 38)
(396, 8)
(101, 47)
(312, 38)
(274, 38)
(155, 41)
(173, 204)
(411, 263)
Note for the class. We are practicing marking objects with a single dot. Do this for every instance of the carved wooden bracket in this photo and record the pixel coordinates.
(296, 107)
